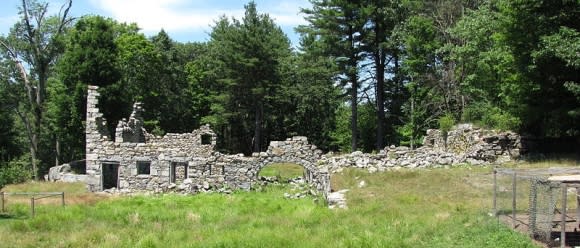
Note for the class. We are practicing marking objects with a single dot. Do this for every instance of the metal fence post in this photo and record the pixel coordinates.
(563, 223)
(62, 198)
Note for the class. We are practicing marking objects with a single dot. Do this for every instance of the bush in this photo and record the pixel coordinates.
(501, 121)
(15, 171)
(446, 122)
(484, 114)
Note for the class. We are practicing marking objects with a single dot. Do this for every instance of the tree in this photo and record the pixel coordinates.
(307, 101)
(493, 86)
(181, 101)
(90, 57)
(247, 54)
(382, 46)
(9, 147)
(338, 24)
(33, 45)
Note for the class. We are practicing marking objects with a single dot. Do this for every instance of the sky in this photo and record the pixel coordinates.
(183, 20)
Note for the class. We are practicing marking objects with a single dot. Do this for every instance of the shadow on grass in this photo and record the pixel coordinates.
(7, 216)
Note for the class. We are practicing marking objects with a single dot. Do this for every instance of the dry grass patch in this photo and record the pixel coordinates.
(75, 193)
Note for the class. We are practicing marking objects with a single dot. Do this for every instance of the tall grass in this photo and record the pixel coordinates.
(406, 208)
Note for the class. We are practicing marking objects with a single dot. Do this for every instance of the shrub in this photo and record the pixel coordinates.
(501, 121)
(15, 171)
(486, 115)
(446, 122)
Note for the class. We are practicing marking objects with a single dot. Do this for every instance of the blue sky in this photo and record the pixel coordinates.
(184, 20)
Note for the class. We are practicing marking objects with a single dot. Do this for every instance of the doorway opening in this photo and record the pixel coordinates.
(110, 176)
(178, 172)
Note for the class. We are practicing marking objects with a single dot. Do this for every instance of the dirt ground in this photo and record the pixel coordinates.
(521, 224)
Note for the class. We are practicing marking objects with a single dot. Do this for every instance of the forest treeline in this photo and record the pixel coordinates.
(366, 74)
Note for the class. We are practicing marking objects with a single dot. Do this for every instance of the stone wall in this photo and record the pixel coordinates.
(476, 143)
(466, 144)
(136, 160)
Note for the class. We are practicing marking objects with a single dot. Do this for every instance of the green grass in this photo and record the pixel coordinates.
(282, 171)
(405, 208)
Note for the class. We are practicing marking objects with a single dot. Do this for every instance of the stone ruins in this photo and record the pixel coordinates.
(466, 144)
(138, 161)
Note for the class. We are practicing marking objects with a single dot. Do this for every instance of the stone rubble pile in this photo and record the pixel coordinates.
(465, 144)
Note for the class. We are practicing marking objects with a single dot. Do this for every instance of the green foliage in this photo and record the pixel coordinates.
(501, 121)
(367, 127)
(341, 135)
(486, 115)
(9, 145)
(15, 171)
(29, 52)
(446, 122)
(337, 28)
(544, 39)
(244, 68)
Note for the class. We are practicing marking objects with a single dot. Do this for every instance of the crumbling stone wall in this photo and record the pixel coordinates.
(466, 144)
(474, 142)
(184, 162)
(136, 160)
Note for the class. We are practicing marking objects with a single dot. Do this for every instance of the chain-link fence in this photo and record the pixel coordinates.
(531, 203)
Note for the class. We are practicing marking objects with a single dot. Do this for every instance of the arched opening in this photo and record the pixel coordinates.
(282, 173)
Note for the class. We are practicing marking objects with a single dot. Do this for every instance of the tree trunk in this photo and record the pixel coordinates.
(352, 72)
(258, 127)
(380, 94)
(57, 150)
(354, 112)
(413, 120)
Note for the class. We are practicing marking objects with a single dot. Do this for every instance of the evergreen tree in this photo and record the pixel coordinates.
(248, 54)
(338, 24)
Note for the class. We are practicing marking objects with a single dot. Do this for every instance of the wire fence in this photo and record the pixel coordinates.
(542, 208)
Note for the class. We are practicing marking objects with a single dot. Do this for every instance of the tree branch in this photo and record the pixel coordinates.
(21, 69)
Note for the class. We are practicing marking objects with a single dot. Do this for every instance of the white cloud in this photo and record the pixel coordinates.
(182, 15)
(287, 12)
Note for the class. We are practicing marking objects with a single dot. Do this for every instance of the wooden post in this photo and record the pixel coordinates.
(494, 192)
(32, 206)
(3, 204)
(514, 205)
(62, 198)
(577, 206)
(563, 222)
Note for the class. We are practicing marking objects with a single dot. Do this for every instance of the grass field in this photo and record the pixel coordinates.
(406, 208)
